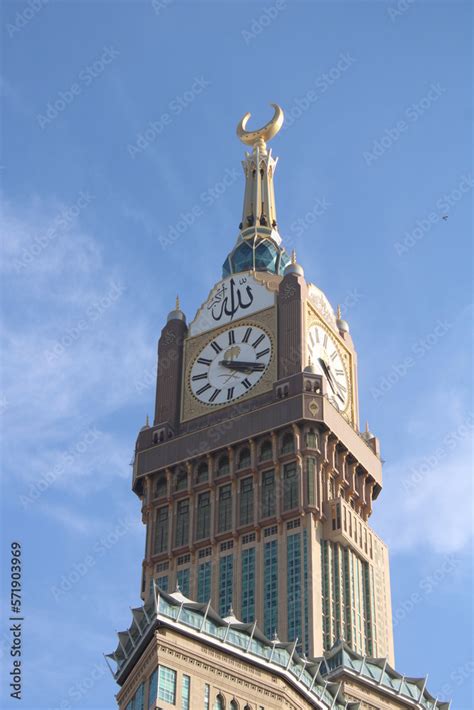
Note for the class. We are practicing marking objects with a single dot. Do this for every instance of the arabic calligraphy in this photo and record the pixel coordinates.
(230, 298)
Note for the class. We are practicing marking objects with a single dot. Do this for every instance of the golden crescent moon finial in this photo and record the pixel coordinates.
(261, 135)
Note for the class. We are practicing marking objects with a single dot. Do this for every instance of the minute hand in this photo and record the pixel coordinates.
(244, 366)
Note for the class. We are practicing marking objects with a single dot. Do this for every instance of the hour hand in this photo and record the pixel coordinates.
(243, 366)
(327, 372)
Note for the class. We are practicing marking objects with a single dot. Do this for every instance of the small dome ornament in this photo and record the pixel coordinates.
(341, 324)
(177, 314)
(294, 267)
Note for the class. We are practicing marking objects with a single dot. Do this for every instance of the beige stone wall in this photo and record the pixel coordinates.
(225, 674)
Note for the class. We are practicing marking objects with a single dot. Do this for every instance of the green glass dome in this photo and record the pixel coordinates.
(258, 253)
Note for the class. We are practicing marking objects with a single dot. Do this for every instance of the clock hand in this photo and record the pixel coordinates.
(244, 366)
(327, 373)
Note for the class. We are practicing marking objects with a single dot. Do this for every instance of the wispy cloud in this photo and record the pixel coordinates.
(427, 497)
(68, 361)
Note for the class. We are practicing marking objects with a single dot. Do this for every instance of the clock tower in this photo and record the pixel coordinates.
(256, 482)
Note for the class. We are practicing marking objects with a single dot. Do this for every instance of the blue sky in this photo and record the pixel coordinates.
(118, 128)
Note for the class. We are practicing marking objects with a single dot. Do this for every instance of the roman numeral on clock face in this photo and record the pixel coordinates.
(258, 341)
(230, 393)
(216, 347)
(247, 384)
(334, 355)
(339, 372)
(204, 361)
(231, 337)
(262, 353)
(202, 376)
(204, 389)
(247, 335)
(214, 395)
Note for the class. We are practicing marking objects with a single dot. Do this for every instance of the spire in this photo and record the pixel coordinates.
(177, 303)
(259, 167)
(258, 246)
(293, 256)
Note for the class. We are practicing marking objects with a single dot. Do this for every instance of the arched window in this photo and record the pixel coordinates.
(247, 707)
(287, 443)
(266, 450)
(220, 703)
(202, 473)
(223, 465)
(234, 705)
(182, 480)
(161, 486)
(311, 439)
(244, 457)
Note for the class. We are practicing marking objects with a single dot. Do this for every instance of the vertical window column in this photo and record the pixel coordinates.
(294, 586)
(226, 574)
(270, 588)
(182, 523)
(246, 501)
(248, 585)
(160, 543)
(204, 582)
(290, 486)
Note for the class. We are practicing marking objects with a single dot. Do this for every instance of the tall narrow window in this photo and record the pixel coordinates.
(225, 509)
(246, 501)
(185, 692)
(310, 480)
(220, 703)
(290, 486)
(226, 570)
(207, 696)
(167, 684)
(153, 690)
(270, 588)
(266, 451)
(311, 439)
(248, 585)
(182, 523)
(182, 578)
(287, 443)
(294, 586)
(203, 516)
(223, 465)
(244, 458)
(268, 494)
(204, 582)
(161, 486)
(181, 480)
(162, 583)
(202, 473)
(161, 531)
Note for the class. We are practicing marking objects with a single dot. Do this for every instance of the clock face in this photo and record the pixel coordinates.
(231, 364)
(326, 358)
